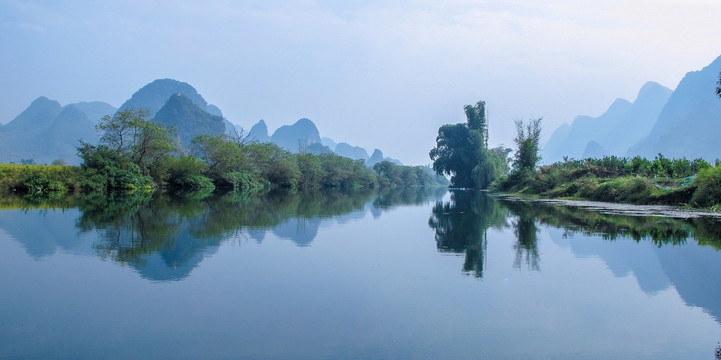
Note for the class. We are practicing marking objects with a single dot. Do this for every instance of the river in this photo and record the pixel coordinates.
(408, 274)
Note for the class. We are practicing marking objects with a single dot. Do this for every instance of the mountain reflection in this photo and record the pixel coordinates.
(166, 237)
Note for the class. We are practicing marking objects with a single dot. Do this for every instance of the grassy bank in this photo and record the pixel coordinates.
(639, 181)
(39, 179)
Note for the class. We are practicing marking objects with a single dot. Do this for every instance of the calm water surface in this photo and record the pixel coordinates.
(421, 274)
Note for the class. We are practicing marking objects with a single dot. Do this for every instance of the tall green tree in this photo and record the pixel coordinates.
(462, 153)
(142, 141)
(458, 150)
(528, 138)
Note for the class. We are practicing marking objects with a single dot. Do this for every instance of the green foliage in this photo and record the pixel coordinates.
(134, 153)
(223, 157)
(311, 171)
(392, 176)
(528, 137)
(462, 152)
(636, 180)
(279, 167)
(708, 192)
(457, 152)
(186, 172)
(263, 166)
(39, 179)
(344, 173)
(105, 169)
(141, 141)
(476, 117)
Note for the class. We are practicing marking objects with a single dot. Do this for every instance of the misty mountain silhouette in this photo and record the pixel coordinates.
(377, 157)
(689, 124)
(679, 123)
(188, 120)
(291, 137)
(613, 132)
(155, 95)
(350, 151)
(259, 132)
(46, 131)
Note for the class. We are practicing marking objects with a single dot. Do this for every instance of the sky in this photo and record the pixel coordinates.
(377, 74)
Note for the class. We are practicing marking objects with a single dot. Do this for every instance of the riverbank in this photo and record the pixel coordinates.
(611, 208)
(62, 182)
(682, 183)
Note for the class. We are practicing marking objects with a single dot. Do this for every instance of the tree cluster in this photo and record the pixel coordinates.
(462, 152)
(136, 153)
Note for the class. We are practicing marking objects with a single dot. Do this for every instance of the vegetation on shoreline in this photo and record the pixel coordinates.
(694, 183)
(462, 153)
(138, 154)
(640, 181)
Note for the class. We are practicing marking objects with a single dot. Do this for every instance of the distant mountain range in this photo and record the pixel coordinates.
(685, 122)
(47, 131)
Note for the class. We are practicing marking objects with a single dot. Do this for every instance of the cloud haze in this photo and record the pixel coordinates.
(372, 73)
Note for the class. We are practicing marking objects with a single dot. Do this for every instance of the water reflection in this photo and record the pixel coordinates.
(461, 223)
(376, 282)
(461, 226)
(166, 237)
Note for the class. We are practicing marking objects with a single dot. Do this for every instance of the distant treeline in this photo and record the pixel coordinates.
(135, 153)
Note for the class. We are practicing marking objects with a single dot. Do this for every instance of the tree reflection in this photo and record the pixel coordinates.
(526, 245)
(165, 237)
(461, 226)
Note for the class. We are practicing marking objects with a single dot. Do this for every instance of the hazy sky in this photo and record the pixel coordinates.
(379, 74)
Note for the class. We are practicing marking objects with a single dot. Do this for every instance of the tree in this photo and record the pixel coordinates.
(142, 141)
(718, 88)
(458, 150)
(462, 151)
(221, 153)
(528, 138)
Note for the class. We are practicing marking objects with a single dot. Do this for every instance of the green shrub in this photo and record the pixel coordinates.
(186, 172)
(708, 191)
(39, 179)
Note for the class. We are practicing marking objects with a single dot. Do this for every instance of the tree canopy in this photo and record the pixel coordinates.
(528, 138)
(462, 152)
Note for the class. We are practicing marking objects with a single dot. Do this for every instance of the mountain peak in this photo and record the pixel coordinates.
(44, 101)
(259, 132)
(653, 90)
(291, 137)
(37, 117)
(183, 114)
(618, 105)
(154, 95)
